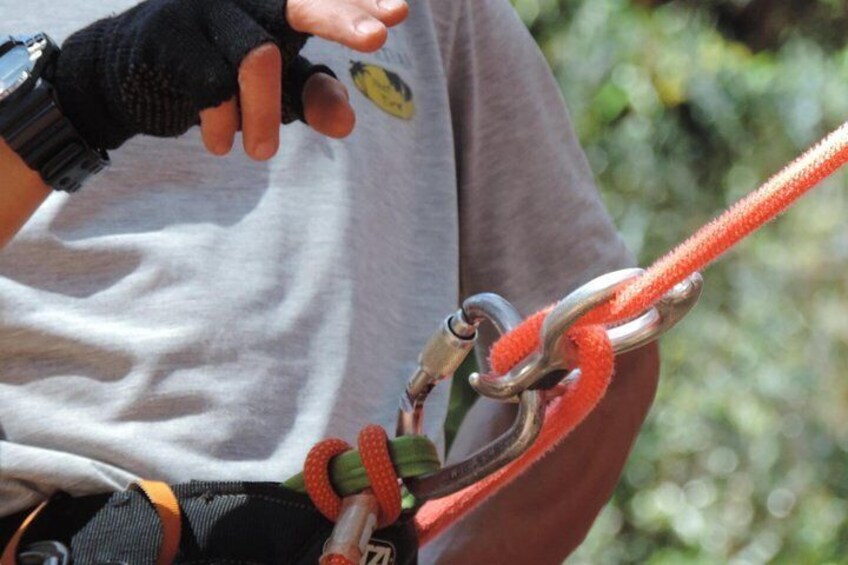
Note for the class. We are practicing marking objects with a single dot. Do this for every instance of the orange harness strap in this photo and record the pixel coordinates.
(596, 358)
(10, 553)
(165, 503)
(158, 494)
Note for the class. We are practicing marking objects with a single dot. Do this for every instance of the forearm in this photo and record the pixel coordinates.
(21, 193)
(545, 514)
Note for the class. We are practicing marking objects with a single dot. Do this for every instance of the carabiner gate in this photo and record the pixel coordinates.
(507, 447)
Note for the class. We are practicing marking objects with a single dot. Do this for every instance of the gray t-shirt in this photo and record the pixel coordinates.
(192, 317)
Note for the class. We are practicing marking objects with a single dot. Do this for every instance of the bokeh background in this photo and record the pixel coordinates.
(682, 108)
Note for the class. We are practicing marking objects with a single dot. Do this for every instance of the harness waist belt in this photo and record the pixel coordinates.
(235, 522)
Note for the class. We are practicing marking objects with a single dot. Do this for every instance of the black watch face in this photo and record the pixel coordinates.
(15, 68)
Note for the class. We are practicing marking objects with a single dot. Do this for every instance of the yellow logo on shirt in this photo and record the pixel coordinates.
(384, 88)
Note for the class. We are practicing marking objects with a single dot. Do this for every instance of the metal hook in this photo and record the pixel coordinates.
(506, 448)
(557, 352)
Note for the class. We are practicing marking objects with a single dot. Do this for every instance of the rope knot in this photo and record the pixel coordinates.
(373, 444)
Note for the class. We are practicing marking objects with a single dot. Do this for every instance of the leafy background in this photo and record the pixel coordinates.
(682, 108)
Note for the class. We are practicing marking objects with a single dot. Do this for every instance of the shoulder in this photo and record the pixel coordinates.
(479, 30)
(475, 16)
(458, 6)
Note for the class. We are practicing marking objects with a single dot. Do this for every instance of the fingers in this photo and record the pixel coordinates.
(393, 12)
(326, 106)
(260, 95)
(358, 24)
(257, 109)
(218, 127)
(326, 109)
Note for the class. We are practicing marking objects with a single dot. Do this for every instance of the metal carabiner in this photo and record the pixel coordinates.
(557, 352)
(354, 527)
(504, 449)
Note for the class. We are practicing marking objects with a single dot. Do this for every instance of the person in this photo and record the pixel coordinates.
(194, 316)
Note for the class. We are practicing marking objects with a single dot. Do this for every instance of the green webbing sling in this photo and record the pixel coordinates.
(413, 456)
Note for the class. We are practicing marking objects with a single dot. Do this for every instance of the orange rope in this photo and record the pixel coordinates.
(704, 247)
(167, 507)
(316, 477)
(596, 359)
(374, 450)
(373, 444)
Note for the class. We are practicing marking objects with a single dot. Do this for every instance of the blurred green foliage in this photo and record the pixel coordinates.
(682, 108)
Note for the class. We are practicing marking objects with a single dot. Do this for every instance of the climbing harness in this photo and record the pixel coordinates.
(556, 365)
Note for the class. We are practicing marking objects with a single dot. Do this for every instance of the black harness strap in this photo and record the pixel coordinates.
(236, 523)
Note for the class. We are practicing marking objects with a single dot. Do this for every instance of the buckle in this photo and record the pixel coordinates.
(45, 553)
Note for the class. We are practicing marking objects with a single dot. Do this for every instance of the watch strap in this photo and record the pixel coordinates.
(48, 143)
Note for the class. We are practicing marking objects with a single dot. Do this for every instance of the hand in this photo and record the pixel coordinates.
(358, 24)
(157, 68)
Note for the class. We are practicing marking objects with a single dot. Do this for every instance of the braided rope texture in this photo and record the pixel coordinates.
(336, 559)
(694, 254)
(374, 448)
(316, 477)
(373, 444)
(596, 360)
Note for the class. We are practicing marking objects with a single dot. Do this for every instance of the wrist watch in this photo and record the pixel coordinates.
(31, 120)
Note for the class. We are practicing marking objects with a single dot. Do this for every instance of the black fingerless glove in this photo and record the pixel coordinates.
(153, 68)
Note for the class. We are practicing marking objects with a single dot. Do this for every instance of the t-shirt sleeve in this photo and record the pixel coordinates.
(532, 225)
